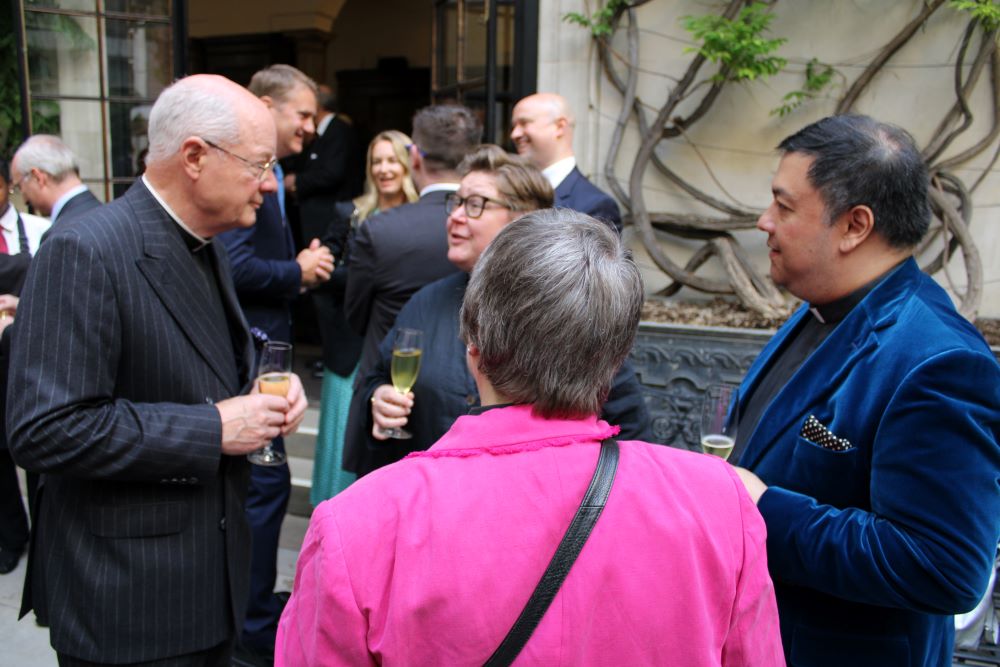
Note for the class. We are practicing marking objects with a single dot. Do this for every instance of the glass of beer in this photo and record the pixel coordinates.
(718, 420)
(407, 347)
(274, 376)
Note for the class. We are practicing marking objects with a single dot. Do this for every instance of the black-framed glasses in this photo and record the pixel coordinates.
(261, 167)
(474, 204)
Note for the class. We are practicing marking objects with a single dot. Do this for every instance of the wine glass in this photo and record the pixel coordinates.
(274, 376)
(718, 420)
(406, 353)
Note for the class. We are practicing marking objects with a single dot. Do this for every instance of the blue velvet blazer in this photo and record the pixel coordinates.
(872, 549)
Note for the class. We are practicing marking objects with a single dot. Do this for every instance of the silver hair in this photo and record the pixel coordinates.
(184, 110)
(553, 306)
(48, 153)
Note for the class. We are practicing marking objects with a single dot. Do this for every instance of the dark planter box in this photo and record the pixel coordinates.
(676, 363)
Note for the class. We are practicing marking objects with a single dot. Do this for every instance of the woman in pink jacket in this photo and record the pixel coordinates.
(431, 560)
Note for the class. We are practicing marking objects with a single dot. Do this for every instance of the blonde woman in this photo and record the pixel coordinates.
(387, 185)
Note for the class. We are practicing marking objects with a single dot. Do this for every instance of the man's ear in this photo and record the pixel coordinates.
(193, 153)
(268, 100)
(561, 123)
(416, 159)
(858, 224)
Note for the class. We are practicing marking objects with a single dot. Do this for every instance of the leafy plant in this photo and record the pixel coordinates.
(987, 12)
(599, 24)
(737, 43)
(818, 76)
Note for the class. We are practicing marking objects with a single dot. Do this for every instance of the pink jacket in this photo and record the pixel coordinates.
(430, 560)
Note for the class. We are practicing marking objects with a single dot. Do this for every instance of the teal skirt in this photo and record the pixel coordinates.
(328, 477)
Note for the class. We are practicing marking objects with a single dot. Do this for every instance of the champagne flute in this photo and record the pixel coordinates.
(718, 420)
(406, 352)
(274, 376)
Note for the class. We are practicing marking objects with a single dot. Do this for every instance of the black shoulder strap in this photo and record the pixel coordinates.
(569, 548)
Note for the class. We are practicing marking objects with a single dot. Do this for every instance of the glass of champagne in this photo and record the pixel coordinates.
(274, 376)
(718, 420)
(406, 352)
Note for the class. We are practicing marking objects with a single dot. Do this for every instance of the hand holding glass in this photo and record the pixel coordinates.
(718, 421)
(407, 347)
(274, 376)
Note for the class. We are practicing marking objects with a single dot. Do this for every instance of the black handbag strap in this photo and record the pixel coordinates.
(569, 548)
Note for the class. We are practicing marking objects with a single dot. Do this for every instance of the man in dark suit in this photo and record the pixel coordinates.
(131, 396)
(331, 169)
(397, 252)
(49, 178)
(268, 276)
(871, 420)
(542, 130)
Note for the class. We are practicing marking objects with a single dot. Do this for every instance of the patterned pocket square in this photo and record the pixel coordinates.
(820, 435)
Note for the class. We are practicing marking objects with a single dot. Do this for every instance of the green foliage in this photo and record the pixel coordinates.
(818, 76)
(44, 113)
(599, 24)
(987, 12)
(737, 43)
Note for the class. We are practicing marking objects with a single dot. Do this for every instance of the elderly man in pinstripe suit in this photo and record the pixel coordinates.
(130, 372)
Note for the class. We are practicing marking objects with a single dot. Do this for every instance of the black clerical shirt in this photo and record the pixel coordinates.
(811, 333)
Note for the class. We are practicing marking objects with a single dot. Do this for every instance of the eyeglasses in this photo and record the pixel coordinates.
(419, 149)
(16, 187)
(474, 204)
(261, 167)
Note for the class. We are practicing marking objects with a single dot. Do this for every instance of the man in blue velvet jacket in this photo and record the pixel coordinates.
(871, 420)
(542, 131)
(268, 276)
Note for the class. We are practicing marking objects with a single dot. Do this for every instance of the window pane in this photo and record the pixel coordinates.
(128, 138)
(81, 5)
(448, 45)
(80, 125)
(62, 55)
(139, 58)
(505, 47)
(148, 7)
(475, 41)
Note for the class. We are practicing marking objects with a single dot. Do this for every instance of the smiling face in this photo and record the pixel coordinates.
(536, 131)
(803, 246)
(468, 237)
(294, 118)
(386, 170)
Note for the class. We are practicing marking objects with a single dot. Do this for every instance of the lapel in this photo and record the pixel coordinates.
(243, 344)
(823, 373)
(171, 272)
(565, 190)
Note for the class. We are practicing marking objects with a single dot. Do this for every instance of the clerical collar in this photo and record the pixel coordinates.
(192, 240)
(835, 311)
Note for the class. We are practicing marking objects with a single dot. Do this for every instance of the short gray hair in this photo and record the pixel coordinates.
(278, 82)
(553, 306)
(186, 109)
(48, 153)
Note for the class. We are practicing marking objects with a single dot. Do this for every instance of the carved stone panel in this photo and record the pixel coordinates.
(676, 364)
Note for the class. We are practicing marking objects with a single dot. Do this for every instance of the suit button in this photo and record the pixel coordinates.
(470, 400)
(193, 480)
(222, 523)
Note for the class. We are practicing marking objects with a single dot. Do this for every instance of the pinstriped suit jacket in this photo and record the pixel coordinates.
(142, 549)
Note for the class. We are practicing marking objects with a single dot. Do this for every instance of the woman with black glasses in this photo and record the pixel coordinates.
(496, 189)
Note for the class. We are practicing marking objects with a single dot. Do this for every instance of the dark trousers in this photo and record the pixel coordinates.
(217, 656)
(267, 500)
(13, 520)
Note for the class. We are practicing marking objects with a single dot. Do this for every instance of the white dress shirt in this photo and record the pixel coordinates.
(558, 171)
(34, 227)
